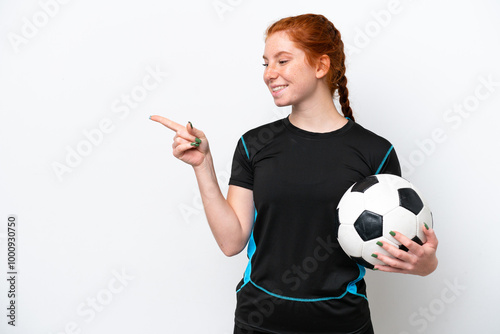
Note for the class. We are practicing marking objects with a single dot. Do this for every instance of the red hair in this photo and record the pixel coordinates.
(317, 36)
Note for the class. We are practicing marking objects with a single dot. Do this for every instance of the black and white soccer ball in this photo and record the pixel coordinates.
(373, 207)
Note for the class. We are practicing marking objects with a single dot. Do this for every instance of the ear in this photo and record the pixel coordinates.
(323, 66)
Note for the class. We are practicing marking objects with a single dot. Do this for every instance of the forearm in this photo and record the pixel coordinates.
(222, 219)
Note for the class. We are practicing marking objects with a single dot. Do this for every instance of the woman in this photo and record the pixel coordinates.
(287, 179)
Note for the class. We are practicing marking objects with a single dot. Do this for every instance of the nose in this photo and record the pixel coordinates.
(270, 73)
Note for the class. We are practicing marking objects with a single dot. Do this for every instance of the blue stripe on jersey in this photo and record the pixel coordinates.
(251, 243)
(383, 161)
(250, 252)
(245, 146)
(352, 288)
(297, 299)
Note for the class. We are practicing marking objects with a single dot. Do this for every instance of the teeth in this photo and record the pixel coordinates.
(278, 88)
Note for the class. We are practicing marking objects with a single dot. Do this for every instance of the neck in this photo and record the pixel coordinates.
(319, 116)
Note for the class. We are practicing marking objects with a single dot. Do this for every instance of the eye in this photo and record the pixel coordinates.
(283, 62)
(265, 65)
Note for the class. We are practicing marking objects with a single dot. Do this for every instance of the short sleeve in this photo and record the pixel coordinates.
(390, 164)
(241, 170)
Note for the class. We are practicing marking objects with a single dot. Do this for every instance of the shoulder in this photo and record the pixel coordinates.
(257, 138)
(377, 150)
(267, 130)
(368, 138)
(370, 144)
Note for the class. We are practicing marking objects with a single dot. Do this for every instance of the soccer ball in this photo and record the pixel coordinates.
(373, 207)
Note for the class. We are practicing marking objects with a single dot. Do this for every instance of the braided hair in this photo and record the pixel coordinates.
(317, 36)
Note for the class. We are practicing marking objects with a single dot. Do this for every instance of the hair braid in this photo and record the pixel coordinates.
(344, 98)
(339, 79)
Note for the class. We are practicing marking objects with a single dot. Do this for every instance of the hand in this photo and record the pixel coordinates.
(190, 144)
(419, 260)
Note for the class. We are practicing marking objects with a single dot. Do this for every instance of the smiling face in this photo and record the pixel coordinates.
(288, 75)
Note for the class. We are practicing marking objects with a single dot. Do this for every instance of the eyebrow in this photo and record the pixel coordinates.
(279, 54)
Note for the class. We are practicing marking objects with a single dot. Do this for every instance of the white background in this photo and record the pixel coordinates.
(127, 208)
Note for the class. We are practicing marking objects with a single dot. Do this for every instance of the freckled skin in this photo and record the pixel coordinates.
(290, 68)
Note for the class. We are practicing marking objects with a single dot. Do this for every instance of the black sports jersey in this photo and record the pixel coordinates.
(298, 279)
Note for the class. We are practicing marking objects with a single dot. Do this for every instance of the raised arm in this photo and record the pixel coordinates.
(230, 220)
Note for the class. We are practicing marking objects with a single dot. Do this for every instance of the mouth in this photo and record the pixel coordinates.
(276, 90)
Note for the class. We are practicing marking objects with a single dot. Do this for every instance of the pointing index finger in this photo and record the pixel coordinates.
(168, 123)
